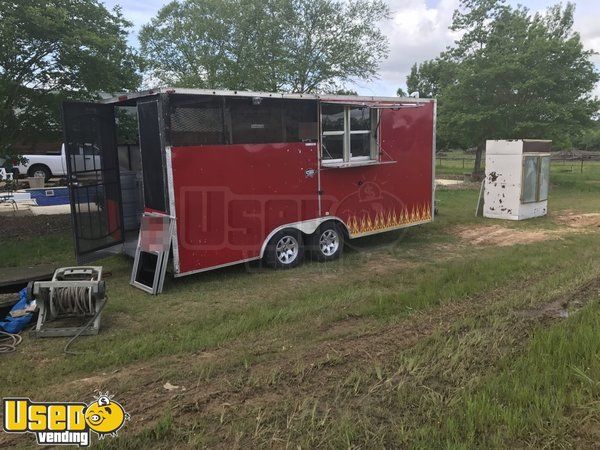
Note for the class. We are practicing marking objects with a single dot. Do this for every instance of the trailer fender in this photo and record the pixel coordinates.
(305, 226)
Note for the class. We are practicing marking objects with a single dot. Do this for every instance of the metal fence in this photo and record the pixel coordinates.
(574, 164)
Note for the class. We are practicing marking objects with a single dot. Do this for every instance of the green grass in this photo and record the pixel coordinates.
(33, 250)
(486, 373)
(542, 397)
(462, 388)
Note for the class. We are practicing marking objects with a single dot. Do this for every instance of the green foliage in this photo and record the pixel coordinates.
(589, 139)
(52, 49)
(474, 19)
(428, 77)
(344, 92)
(513, 74)
(127, 125)
(269, 45)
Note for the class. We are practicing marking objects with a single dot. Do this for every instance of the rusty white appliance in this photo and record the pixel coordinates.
(517, 174)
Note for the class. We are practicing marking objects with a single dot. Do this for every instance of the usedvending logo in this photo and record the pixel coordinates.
(64, 423)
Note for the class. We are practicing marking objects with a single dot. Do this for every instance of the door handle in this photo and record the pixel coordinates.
(309, 173)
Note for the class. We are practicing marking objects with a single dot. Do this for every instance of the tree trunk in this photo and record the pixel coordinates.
(477, 174)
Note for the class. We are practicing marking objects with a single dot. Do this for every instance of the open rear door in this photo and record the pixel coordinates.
(93, 178)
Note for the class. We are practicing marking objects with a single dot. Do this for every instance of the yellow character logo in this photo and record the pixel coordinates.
(105, 416)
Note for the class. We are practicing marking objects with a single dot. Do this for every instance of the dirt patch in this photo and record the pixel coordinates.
(447, 182)
(382, 264)
(25, 226)
(500, 236)
(459, 185)
(578, 221)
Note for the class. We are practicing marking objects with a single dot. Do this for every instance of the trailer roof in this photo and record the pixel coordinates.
(128, 97)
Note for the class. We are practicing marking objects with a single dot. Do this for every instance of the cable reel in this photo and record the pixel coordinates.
(73, 292)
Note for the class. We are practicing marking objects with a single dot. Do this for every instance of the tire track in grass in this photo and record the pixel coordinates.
(327, 370)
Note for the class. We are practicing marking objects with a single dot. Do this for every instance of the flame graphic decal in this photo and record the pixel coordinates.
(391, 219)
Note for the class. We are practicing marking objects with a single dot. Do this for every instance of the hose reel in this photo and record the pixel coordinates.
(73, 293)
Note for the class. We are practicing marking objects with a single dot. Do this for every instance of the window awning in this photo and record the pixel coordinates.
(374, 104)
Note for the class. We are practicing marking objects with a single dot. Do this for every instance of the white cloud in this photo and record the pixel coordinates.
(418, 31)
(137, 12)
(586, 22)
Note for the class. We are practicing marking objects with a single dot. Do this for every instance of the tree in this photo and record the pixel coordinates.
(271, 45)
(348, 92)
(589, 139)
(50, 49)
(475, 19)
(428, 77)
(513, 74)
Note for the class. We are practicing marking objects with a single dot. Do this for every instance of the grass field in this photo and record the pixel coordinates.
(439, 336)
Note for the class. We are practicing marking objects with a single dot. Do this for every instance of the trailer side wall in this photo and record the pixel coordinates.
(228, 198)
(395, 193)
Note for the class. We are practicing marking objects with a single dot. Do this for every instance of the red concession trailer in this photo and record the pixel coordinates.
(229, 177)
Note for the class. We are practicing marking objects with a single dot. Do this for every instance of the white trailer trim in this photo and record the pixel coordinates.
(220, 266)
(221, 92)
(305, 226)
(172, 211)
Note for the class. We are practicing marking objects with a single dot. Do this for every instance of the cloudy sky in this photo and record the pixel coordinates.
(418, 31)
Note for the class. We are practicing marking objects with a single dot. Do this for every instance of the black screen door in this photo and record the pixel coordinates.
(151, 151)
(93, 177)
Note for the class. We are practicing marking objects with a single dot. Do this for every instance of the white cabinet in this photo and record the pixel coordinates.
(517, 174)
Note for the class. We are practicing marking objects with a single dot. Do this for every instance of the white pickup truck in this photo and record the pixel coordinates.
(50, 166)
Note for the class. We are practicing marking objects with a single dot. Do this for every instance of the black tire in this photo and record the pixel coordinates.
(327, 242)
(276, 249)
(40, 168)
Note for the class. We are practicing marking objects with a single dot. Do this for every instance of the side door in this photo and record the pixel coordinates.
(93, 178)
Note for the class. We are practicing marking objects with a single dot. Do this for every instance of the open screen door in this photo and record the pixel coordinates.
(93, 178)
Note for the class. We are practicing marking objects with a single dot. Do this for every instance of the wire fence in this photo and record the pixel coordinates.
(573, 164)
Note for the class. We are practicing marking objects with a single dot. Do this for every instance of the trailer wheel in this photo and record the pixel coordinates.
(327, 243)
(285, 250)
